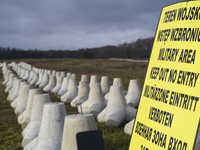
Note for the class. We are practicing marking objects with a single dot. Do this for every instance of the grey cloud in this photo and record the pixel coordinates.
(73, 24)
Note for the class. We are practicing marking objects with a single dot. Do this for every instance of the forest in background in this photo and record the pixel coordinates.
(139, 49)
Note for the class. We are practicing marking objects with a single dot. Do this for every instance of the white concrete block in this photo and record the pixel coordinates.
(49, 72)
(32, 129)
(22, 101)
(117, 111)
(40, 79)
(30, 76)
(95, 103)
(25, 117)
(57, 88)
(10, 82)
(72, 91)
(83, 93)
(51, 84)
(12, 91)
(118, 82)
(54, 72)
(57, 74)
(7, 77)
(134, 92)
(14, 102)
(26, 76)
(74, 124)
(105, 84)
(84, 77)
(63, 74)
(45, 81)
(69, 75)
(129, 127)
(93, 79)
(51, 130)
(64, 87)
(35, 79)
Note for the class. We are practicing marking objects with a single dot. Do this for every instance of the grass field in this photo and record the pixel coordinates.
(114, 138)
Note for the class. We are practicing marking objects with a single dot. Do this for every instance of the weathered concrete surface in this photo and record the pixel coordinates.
(74, 124)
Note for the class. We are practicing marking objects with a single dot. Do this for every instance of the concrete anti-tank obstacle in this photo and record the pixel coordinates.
(129, 127)
(22, 101)
(45, 81)
(10, 82)
(17, 70)
(35, 79)
(51, 84)
(63, 74)
(93, 79)
(54, 72)
(105, 84)
(23, 73)
(134, 92)
(24, 118)
(49, 72)
(51, 130)
(5, 71)
(74, 76)
(84, 77)
(95, 103)
(57, 73)
(11, 77)
(45, 71)
(32, 129)
(40, 79)
(5, 66)
(14, 102)
(11, 74)
(69, 75)
(6, 78)
(15, 90)
(83, 93)
(26, 76)
(42, 71)
(116, 81)
(72, 91)
(30, 76)
(57, 88)
(12, 89)
(64, 87)
(20, 71)
(73, 125)
(13, 86)
(117, 111)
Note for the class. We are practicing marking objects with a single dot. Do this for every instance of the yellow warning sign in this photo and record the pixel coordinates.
(169, 109)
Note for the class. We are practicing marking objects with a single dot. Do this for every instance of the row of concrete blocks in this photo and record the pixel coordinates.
(114, 109)
(47, 135)
(91, 97)
(46, 125)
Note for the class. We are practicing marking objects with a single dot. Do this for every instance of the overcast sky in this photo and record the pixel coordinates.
(75, 24)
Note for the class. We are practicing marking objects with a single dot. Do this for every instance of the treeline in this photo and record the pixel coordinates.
(139, 49)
